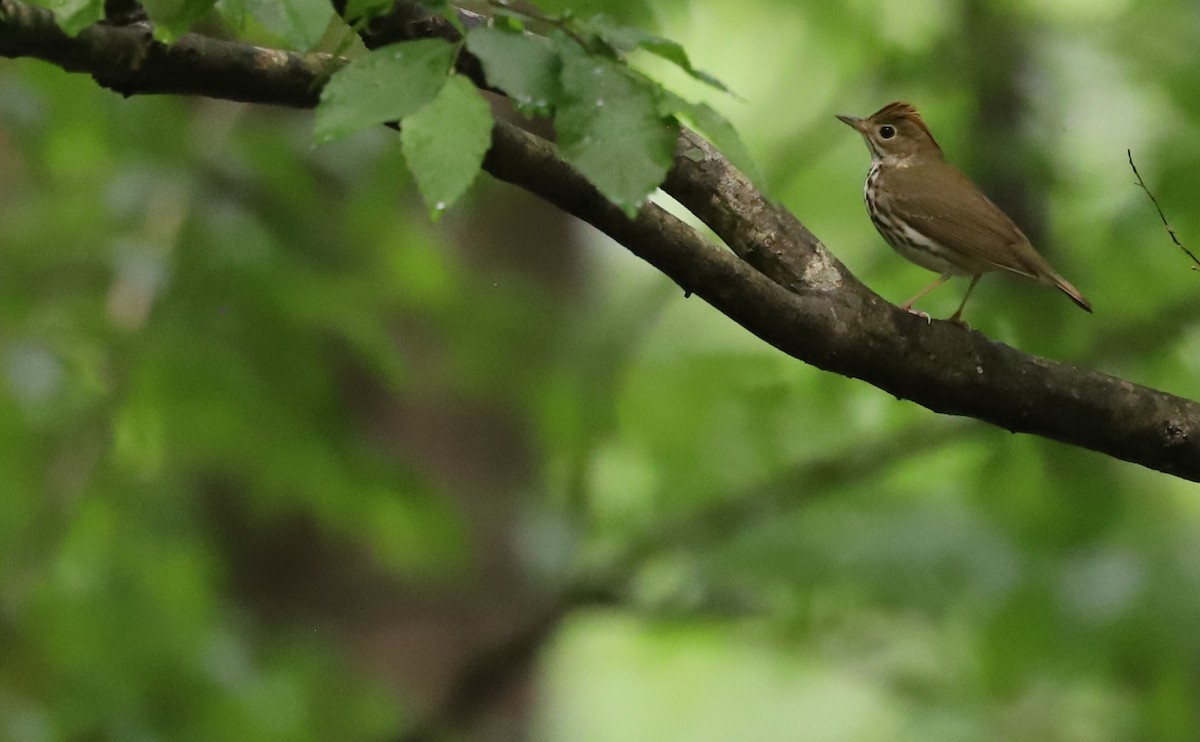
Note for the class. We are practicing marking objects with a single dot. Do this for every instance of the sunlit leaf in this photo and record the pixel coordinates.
(718, 130)
(629, 38)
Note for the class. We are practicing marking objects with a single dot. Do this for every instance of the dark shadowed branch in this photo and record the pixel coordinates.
(779, 282)
(126, 59)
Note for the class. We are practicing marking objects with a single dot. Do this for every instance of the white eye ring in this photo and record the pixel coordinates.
(887, 131)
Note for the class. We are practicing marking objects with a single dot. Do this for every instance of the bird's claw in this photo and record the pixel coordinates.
(923, 315)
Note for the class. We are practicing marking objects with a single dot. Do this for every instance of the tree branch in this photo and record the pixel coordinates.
(127, 60)
(780, 283)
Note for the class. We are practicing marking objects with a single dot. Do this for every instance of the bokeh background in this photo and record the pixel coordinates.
(282, 460)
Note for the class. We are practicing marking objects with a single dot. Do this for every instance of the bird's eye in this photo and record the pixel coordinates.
(887, 131)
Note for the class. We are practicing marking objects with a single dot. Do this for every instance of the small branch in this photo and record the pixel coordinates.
(1161, 215)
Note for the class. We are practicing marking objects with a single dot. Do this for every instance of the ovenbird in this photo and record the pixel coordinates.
(933, 215)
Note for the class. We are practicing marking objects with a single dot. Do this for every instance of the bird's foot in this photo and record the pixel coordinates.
(923, 315)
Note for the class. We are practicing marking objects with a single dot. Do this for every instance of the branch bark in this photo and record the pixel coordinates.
(779, 282)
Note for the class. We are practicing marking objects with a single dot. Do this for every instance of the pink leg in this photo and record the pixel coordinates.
(907, 306)
(957, 316)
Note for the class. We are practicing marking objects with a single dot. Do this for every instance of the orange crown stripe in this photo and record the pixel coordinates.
(901, 110)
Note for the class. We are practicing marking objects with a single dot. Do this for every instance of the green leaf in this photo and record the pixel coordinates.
(718, 130)
(522, 65)
(508, 20)
(73, 16)
(358, 10)
(383, 85)
(174, 18)
(627, 38)
(444, 143)
(674, 53)
(234, 13)
(609, 126)
(301, 22)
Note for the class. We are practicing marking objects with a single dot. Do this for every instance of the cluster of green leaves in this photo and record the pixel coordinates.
(617, 126)
(613, 123)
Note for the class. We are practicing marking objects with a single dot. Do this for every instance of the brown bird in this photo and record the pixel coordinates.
(934, 215)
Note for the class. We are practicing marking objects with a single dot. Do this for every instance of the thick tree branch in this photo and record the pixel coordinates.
(782, 284)
(126, 59)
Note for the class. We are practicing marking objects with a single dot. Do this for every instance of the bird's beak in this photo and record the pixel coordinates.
(857, 123)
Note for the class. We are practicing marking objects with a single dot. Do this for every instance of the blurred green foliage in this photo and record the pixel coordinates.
(208, 329)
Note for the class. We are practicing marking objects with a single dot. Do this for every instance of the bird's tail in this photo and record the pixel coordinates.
(1064, 286)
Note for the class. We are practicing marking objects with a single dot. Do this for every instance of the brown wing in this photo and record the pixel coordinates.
(968, 222)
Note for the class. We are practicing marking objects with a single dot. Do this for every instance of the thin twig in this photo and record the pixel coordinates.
(1162, 216)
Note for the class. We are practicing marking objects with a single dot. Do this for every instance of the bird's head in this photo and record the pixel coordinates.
(895, 131)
